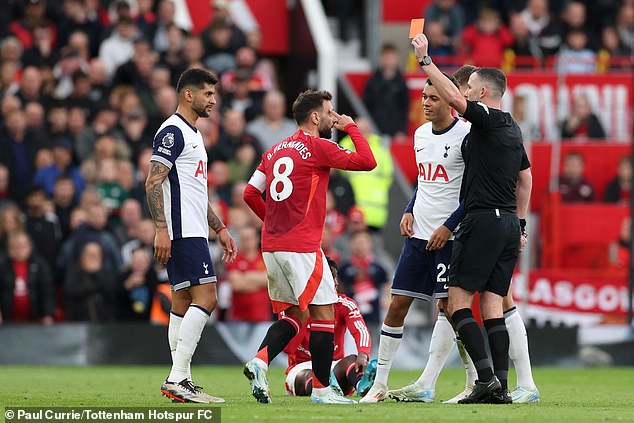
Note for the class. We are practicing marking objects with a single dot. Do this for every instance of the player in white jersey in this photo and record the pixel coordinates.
(422, 267)
(177, 197)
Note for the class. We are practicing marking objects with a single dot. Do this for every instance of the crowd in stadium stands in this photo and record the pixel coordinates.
(573, 36)
(84, 85)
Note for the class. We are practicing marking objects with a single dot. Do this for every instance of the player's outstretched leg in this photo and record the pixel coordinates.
(525, 391)
(277, 337)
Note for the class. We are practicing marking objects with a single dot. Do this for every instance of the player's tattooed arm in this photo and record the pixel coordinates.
(154, 193)
(214, 221)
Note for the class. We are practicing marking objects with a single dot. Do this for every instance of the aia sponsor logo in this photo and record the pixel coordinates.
(201, 170)
(432, 172)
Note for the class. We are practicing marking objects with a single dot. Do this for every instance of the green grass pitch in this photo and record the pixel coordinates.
(568, 395)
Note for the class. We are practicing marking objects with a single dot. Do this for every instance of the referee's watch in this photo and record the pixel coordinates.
(426, 60)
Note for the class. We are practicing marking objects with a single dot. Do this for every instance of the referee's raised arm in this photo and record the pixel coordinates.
(446, 89)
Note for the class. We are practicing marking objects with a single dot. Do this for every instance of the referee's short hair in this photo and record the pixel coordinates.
(196, 78)
(308, 102)
(494, 79)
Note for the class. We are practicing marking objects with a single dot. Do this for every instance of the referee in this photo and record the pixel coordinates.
(496, 180)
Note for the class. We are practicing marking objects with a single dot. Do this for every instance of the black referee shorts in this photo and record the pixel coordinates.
(485, 251)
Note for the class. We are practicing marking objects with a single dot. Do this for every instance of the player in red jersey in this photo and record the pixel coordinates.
(352, 372)
(294, 174)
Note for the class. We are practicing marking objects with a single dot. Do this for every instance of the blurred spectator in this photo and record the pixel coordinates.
(99, 89)
(243, 98)
(450, 15)
(273, 126)
(484, 42)
(43, 226)
(143, 238)
(625, 24)
(542, 26)
(31, 86)
(142, 169)
(172, 56)
(4, 184)
(220, 182)
(613, 52)
(136, 73)
(35, 122)
(11, 51)
(91, 231)
(574, 18)
(328, 244)
(8, 84)
(118, 48)
(145, 17)
(334, 218)
(240, 214)
(575, 56)
(80, 19)
(110, 191)
(166, 99)
(135, 130)
(341, 190)
(363, 278)
(524, 43)
(619, 189)
(222, 18)
(262, 77)
(241, 151)
(69, 64)
(27, 293)
(193, 52)
(572, 183)
(64, 200)
(41, 52)
(247, 276)
(527, 124)
(136, 288)
(386, 94)
(18, 153)
(164, 19)
(11, 220)
(57, 120)
(371, 189)
(440, 45)
(160, 77)
(221, 41)
(62, 165)
(34, 17)
(80, 96)
(582, 124)
(104, 125)
(89, 288)
(128, 229)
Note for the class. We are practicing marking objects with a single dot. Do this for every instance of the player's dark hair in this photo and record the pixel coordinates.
(494, 79)
(389, 48)
(451, 78)
(195, 78)
(308, 102)
(463, 73)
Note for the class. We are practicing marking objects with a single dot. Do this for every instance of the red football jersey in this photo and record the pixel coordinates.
(294, 173)
(347, 317)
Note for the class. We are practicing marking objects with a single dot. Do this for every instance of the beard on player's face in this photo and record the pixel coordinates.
(200, 109)
(325, 127)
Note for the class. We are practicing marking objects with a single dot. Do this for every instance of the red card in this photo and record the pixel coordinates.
(416, 27)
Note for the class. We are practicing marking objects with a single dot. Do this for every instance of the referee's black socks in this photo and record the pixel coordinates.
(499, 345)
(473, 341)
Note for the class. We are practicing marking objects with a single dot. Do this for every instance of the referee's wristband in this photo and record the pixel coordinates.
(221, 229)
